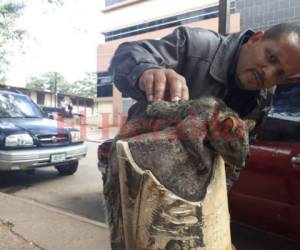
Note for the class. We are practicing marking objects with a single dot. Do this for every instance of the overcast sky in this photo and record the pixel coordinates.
(61, 39)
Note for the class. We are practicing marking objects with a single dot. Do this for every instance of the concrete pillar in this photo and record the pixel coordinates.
(117, 107)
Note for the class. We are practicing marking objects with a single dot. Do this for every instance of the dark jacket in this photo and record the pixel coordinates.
(203, 57)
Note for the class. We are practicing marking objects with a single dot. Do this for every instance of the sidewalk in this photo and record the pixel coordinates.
(28, 225)
(95, 134)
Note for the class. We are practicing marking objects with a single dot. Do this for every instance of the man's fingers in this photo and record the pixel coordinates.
(185, 93)
(177, 86)
(153, 83)
(175, 90)
(148, 85)
(159, 85)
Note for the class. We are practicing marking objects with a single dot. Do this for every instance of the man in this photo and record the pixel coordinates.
(240, 68)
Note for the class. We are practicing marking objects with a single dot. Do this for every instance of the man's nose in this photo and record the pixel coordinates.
(270, 74)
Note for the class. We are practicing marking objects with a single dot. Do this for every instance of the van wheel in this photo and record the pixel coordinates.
(67, 169)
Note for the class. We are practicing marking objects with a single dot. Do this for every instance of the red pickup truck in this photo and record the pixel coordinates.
(267, 194)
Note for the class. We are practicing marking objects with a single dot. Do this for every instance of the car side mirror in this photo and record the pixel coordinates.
(49, 115)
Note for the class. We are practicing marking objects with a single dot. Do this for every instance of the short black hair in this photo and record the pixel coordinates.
(276, 31)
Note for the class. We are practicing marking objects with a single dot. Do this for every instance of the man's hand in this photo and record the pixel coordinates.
(163, 84)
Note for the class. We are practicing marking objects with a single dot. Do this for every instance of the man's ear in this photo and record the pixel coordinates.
(256, 36)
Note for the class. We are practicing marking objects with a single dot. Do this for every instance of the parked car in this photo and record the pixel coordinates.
(29, 140)
(267, 194)
(60, 113)
(55, 112)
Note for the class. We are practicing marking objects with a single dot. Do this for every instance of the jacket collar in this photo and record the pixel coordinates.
(225, 54)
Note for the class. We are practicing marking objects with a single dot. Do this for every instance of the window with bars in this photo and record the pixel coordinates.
(40, 99)
(104, 84)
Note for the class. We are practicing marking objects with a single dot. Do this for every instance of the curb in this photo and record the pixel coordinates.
(93, 140)
(57, 210)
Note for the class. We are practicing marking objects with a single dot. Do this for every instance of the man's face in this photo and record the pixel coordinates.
(264, 63)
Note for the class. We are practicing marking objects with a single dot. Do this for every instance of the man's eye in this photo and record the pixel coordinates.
(273, 59)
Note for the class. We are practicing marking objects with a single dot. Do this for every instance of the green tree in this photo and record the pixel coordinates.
(50, 81)
(87, 86)
(57, 2)
(10, 34)
(9, 12)
(36, 83)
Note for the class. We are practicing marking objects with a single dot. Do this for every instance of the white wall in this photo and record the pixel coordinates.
(48, 100)
(103, 108)
(33, 96)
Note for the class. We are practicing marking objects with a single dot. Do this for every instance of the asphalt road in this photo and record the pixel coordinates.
(80, 193)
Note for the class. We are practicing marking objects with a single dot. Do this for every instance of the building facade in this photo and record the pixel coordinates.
(259, 15)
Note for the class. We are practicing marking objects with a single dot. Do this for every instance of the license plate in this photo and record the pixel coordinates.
(58, 157)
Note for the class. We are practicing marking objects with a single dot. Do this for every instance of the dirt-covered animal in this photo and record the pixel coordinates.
(204, 121)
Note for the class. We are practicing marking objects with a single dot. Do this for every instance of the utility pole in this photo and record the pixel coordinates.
(55, 89)
(224, 16)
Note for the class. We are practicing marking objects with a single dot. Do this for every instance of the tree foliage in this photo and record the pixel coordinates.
(85, 87)
(50, 81)
(57, 2)
(9, 12)
(10, 34)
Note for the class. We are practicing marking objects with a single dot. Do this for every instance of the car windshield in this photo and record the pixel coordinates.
(17, 106)
(286, 104)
